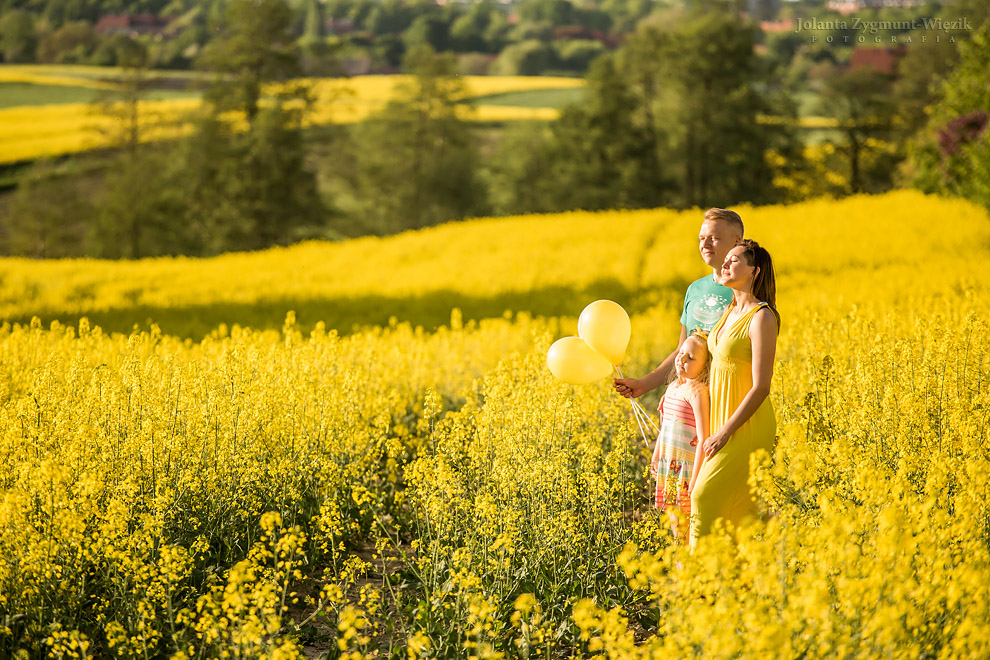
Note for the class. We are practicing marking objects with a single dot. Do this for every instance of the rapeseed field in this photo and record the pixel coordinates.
(338, 482)
(32, 132)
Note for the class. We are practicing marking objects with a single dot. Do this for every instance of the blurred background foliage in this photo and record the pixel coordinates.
(684, 104)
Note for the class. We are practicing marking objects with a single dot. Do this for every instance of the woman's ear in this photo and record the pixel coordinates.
(756, 272)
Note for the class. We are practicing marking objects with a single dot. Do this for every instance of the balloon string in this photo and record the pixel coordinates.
(645, 423)
(642, 418)
(639, 423)
(647, 420)
(642, 426)
(647, 417)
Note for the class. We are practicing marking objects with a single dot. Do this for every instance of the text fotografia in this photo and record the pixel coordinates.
(874, 28)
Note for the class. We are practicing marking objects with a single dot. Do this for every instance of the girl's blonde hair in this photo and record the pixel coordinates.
(702, 379)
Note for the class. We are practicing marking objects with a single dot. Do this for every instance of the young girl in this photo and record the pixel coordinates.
(683, 410)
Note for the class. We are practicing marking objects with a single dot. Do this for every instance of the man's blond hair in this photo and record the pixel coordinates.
(726, 215)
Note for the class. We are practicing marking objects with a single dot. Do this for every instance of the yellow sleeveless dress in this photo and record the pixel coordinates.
(722, 489)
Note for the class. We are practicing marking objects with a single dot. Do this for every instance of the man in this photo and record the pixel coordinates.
(705, 300)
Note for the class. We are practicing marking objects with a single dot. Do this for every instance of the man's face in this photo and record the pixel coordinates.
(715, 240)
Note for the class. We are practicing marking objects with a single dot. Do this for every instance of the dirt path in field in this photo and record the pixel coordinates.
(640, 268)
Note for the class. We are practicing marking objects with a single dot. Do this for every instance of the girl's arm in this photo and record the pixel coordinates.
(763, 336)
(656, 450)
(702, 406)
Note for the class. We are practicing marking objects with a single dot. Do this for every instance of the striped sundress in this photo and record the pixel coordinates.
(678, 440)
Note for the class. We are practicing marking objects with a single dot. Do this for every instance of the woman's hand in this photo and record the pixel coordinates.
(715, 442)
(653, 469)
(629, 387)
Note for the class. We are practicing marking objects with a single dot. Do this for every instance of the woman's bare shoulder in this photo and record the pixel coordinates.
(764, 320)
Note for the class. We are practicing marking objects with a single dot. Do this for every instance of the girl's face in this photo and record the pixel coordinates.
(736, 273)
(691, 358)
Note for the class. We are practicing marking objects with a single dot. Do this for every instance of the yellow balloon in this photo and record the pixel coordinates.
(573, 361)
(605, 326)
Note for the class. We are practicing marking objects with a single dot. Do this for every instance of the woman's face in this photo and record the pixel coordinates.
(736, 273)
(691, 358)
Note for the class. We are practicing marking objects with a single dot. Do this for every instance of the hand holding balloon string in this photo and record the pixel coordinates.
(604, 331)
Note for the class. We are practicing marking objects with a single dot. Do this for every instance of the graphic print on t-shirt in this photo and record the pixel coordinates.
(704, 302)
(709, 309)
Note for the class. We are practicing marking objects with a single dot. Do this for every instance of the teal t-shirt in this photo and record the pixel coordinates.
(704, 303)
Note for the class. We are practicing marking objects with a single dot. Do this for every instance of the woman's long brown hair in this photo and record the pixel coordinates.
(765, 283)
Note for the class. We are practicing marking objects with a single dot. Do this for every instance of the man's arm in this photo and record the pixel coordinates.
(637, 387)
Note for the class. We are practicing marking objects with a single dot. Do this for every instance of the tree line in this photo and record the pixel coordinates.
(528, 37)
(684, 113)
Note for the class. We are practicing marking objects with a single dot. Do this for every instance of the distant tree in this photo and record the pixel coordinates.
(245, 190)
(18, 37)
(953, 153)
(73, 43)
(603, 154)
(313, 30)
(920, 76)
(782, 48)
(388, 51)
(473, 64)
(123, 104)
(710, 108)
(517, 171)
(140, 210)
(47, 216)
(862, 104)
(625, 14)
(181, 51)
(319, 56)
(416, 163)
(430, 30)
(254, 46)
(554, 12)
(522, 31)
(207, 163)
(526, 58)
(355, 11)
(390, 17)
(592, 18)
(497, 30)
(677, 116)
(468, 30)
(275, 190)
(479, 29)
(239, 181)
(578, 54)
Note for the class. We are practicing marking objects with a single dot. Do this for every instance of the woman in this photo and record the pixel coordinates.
(742, 345)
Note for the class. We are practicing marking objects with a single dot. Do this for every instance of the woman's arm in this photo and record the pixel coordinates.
(702, 407)
(763, 336)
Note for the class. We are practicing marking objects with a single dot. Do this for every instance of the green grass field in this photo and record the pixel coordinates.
(13, 94)
(17, 94)
(539, 98)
